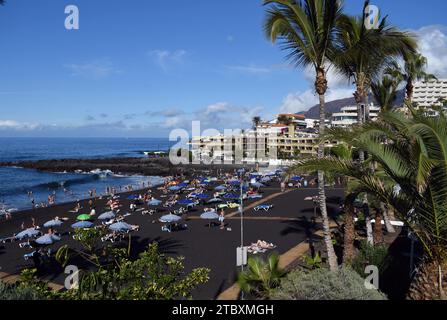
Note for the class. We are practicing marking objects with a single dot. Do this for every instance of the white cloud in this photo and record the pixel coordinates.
(304, 100)
(166, 59)
(433, 45)
(253, 69)
(250, 69)
(16, 125)
(94, 69)
(219, 107)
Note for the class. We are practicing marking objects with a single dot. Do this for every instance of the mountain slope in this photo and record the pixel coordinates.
(336, 105)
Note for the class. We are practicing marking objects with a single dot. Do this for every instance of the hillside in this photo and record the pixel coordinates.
(336, 105)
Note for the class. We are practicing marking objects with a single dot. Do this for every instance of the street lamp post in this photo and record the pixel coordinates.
(241, 209)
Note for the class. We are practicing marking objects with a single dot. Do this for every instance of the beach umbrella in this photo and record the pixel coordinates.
(234, 182)
(120, 226)
(183, 185)
(185, 202)
(296, 178)
(231, 196)
(266, 179)
(154, 202)
(107, 215)
(214, 200)
(220, 188)
(28, 233)
(175, 188)
(133, 197)
(83, 217)
(52, 223)
(257, 185)
(82, 225)
(209, 215)
(170, 218)
(47, 239)
(199, 195)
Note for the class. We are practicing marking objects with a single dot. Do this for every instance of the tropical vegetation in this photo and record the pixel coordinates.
(323, 284)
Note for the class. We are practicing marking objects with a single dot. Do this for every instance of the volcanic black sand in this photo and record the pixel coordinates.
(200, 245)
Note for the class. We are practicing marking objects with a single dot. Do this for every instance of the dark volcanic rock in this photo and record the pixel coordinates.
(140, 166)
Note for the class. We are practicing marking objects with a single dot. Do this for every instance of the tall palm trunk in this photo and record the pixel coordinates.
(409, 88)
(321, 88)
(361, 97)
(386, 217)
(378, 234)
(349, 236)
(430, 282)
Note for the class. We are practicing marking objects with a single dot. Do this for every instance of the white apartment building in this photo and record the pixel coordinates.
(348, 115)
(427, 94)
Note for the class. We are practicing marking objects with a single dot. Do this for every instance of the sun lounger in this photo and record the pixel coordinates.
(148, 212)
(165, 229)
(8, 239)
(265, 207)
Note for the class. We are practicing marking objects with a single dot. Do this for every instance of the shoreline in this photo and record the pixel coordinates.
(117, 166)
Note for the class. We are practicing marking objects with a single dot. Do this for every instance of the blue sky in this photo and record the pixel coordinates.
(143, 67)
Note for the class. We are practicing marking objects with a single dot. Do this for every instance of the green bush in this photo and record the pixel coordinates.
(322, 284)
(15, 292)
(261, 276)
(376, 255)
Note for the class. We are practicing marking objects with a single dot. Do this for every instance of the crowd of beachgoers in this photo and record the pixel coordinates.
(168, 205)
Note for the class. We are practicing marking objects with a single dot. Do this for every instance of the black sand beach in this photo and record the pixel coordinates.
(287, 225)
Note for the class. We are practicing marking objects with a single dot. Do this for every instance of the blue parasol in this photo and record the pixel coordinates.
(257, 185)
(210, 215)
(120, 226)
(133, 197)
(220, 188)
(52, 223)
(107, 215)
(170, 218)
(231, 196)
(185, 202)
(47, 239)
(82, 225)
(154, 202)
(28, 233)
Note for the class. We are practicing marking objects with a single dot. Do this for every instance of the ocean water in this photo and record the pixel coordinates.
(15, 183)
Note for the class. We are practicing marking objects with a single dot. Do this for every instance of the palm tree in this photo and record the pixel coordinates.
(256, 121)
(364, 52)
(363, 55)
(412, 152)
(307, 31)
(261, 276)
(345, 151)
(385, 93)
(414, 70)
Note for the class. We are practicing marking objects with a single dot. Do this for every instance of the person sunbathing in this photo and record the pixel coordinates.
(264, 245)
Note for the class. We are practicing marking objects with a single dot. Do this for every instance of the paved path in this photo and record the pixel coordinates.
(285, 261)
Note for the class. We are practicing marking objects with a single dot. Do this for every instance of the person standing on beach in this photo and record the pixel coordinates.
(283, 186)
(222, 219)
